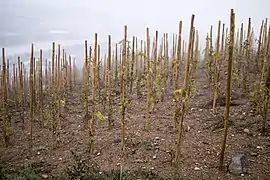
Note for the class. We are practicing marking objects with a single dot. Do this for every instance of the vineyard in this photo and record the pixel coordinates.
(149, 109)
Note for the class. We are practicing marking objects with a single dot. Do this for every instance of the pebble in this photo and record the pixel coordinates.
(44, 176)
(196, 168)
(155, 157)
(98, 153)
(246, 130)
(238, 164)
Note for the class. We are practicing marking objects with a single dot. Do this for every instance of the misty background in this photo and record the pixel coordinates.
(69, 22)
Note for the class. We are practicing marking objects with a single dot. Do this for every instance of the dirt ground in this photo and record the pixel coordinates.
(150, 151)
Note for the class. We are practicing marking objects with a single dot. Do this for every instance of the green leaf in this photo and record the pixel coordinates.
(193, 89)
(100, 116)
(125, 103)
(152, 101)
(140, 54)
(180, 93)
(62, 102)
(150, 70)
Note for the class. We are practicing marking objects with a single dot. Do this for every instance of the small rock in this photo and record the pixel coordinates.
(232, 135)
(45, 176)
(152, 168)
(156, 138)
(259, 147)
(60, 159)
(118, 164)
(139, 161)
(254, 154)
(162, 139)
(98, 153)
(246, 131)
(38, 153)
(155, 157)
(239, 164)
(196, 169)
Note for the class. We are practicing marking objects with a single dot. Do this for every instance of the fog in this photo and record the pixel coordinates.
(70, 22)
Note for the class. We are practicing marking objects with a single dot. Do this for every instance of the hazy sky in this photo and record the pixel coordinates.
(26, 21)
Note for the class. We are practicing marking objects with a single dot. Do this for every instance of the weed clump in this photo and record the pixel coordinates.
(31, 171)
(87, 169)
